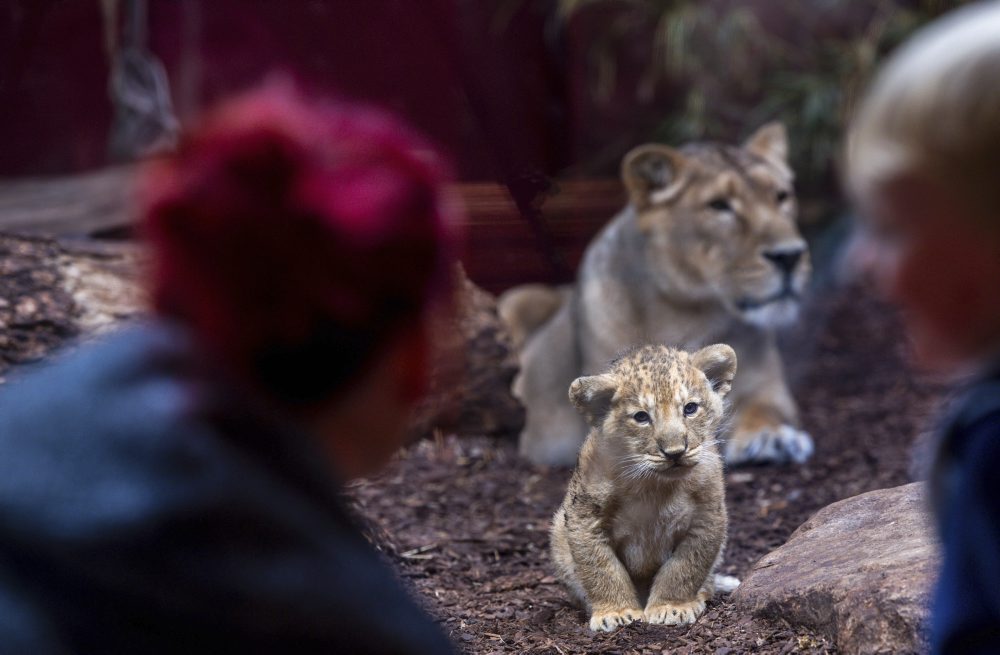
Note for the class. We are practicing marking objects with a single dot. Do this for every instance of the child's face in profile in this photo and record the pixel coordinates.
(923, 246)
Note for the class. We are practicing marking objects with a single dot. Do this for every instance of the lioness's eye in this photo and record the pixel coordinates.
(781, 196)
(690, 409)
(720, 205)
(641, 417)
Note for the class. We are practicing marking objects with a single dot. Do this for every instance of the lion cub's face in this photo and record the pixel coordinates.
(719, 223)
(657, 409)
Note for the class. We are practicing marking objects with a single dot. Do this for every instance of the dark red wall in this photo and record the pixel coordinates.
(54, 110)
(483, 84)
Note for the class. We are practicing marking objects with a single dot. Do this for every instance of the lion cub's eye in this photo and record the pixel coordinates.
(782, 196)
(690, 409)
(720, 205)
(641, 418)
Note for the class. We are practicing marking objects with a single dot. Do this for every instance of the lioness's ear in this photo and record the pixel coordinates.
(770, 142)
(592, 396)
(652, 173)
(718, 363)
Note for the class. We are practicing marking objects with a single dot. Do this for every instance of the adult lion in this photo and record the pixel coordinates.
(706, 251)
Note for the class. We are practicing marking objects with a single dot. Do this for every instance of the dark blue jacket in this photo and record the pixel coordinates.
(142, 510)
(966, 495)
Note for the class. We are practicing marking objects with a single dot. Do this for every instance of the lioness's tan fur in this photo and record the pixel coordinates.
(706, 251)
(644, 520)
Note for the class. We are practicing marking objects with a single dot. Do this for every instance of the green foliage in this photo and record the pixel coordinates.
(734, 74)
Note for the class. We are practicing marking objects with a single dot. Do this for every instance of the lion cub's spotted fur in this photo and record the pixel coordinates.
(644, 520)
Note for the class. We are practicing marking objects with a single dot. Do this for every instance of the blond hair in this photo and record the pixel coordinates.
(934, 109)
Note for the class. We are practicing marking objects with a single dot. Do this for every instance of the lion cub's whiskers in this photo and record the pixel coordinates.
(637, 469)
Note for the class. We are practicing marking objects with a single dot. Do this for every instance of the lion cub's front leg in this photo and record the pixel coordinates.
(589, 568)
(610, 592)
(685, 581)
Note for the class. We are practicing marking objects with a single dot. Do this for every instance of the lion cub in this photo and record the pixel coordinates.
(644, 520)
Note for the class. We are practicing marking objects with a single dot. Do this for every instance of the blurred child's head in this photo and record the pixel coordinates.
(300, 242)
(923, 164)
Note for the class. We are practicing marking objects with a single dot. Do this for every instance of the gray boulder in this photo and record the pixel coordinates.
(859, 571)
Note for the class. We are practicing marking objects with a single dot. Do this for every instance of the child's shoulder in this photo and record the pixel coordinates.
(981, 400)
(973, 424)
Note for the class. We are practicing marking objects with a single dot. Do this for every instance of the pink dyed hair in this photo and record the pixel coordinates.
(293, 237)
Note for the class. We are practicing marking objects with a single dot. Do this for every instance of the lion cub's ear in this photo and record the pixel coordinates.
(770, 141)
(592, 396)
(652, 173)
(718, 363)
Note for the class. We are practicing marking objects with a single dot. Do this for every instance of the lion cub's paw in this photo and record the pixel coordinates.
(675, 613)
(725, 584)
(608, 620)
(772, 445)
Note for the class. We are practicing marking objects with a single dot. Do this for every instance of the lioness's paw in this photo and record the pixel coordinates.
(675, 613)
(773, 445)
(608, 620)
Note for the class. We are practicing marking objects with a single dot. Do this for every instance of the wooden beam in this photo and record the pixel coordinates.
(84, 205)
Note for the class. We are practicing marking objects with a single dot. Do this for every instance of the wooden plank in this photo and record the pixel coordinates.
(502, 249)
(72, 206)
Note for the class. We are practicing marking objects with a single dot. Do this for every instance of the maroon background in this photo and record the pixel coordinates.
(485, 79)
(482, 84)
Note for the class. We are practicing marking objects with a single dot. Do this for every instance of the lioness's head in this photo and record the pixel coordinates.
(719, 223)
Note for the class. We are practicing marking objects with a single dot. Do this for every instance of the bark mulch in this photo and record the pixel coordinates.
(466, 521)
(36, 315)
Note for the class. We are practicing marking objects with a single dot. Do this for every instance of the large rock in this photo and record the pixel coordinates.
(859, 571)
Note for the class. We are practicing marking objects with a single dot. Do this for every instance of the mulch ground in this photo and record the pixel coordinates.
(36, 316)
(465, 521)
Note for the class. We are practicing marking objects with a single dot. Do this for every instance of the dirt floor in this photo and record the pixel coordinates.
(466, 521)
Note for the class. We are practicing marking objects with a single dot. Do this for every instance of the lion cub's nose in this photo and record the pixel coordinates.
(674, 453)
(785, 259)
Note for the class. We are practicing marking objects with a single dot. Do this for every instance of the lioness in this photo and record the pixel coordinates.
(707, 250)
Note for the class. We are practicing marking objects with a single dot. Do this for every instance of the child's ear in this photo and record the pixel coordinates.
(592, 396)
(718, 363)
